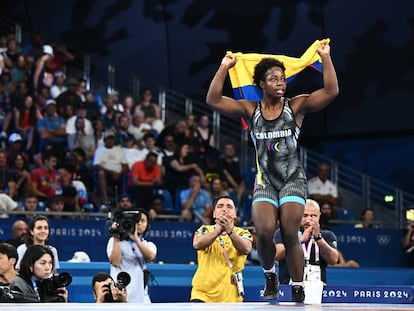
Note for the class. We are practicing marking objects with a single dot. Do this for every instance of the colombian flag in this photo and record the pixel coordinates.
(241, 75)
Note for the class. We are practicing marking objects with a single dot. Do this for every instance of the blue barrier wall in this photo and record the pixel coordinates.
(370, 247)
(173, 283)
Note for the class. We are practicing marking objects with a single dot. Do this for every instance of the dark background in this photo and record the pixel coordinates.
(179, 44)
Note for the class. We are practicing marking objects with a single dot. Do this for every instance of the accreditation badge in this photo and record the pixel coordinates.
(312, 273)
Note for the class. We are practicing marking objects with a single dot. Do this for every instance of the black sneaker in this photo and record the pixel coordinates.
(271, 291)
(298, 294)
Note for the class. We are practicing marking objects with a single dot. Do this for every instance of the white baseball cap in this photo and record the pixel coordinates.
(47, 49)
(80, 256)
(15, 137)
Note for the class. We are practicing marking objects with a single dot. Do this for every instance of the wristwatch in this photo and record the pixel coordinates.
(319, 237)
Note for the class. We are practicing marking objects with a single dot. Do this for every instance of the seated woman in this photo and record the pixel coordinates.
(36, 267)
(178, 170)
(367, 219)
(327, 215)
(37, 234)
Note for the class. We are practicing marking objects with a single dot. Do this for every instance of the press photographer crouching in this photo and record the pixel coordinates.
(129, 252)
(106, 290)
(34, 282)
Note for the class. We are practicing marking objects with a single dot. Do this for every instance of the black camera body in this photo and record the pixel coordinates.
(12, 296)
(126, 221)
(51, 285)
(122, 281)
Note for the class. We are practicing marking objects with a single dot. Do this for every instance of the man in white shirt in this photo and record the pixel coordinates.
(58, 87)
(110, 167)
(321, 189)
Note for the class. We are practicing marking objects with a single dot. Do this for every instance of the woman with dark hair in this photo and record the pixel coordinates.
(37, 234)
(367, 219)
(130, 252)
(216, 188)
(36, 266)
(280, 188)
(178, 170)
(18, 168)
(25, 121)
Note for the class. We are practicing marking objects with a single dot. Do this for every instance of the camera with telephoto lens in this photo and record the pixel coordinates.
(122, 281)
(52, 284)
(12, 296)
(126, 222)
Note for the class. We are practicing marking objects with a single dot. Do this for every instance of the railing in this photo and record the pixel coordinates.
(7, 25)
(357, 190)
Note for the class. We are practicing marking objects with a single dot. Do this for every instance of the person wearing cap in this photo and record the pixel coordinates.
(58, 86)
(41, 77)
(61, 57)
(15, 146)
(52, 130)
(110, 166)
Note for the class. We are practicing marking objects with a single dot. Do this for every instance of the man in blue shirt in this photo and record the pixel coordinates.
(196, 201)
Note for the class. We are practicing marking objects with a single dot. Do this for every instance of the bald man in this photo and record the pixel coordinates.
(319, 246)
(19, 230)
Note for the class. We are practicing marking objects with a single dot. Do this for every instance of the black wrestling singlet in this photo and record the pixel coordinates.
(276, 143)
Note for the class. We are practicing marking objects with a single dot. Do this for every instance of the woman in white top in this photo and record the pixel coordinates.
(130, 253)
(37, 234)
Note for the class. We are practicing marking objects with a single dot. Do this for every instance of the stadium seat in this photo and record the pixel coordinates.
(167, 205)
(245, 210)
(346, 215)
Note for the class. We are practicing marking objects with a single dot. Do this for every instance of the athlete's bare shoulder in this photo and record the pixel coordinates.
(249, 106)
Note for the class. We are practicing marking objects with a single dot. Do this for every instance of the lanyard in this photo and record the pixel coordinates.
(136, 255)
(307, 251)
(36, 289)
(225, 253)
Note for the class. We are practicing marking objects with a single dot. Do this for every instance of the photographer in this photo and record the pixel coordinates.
(8, 259)
(33, 280)
(128, 251)
(104, 291)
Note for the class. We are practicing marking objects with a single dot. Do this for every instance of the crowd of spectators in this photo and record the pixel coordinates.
(74, 150)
